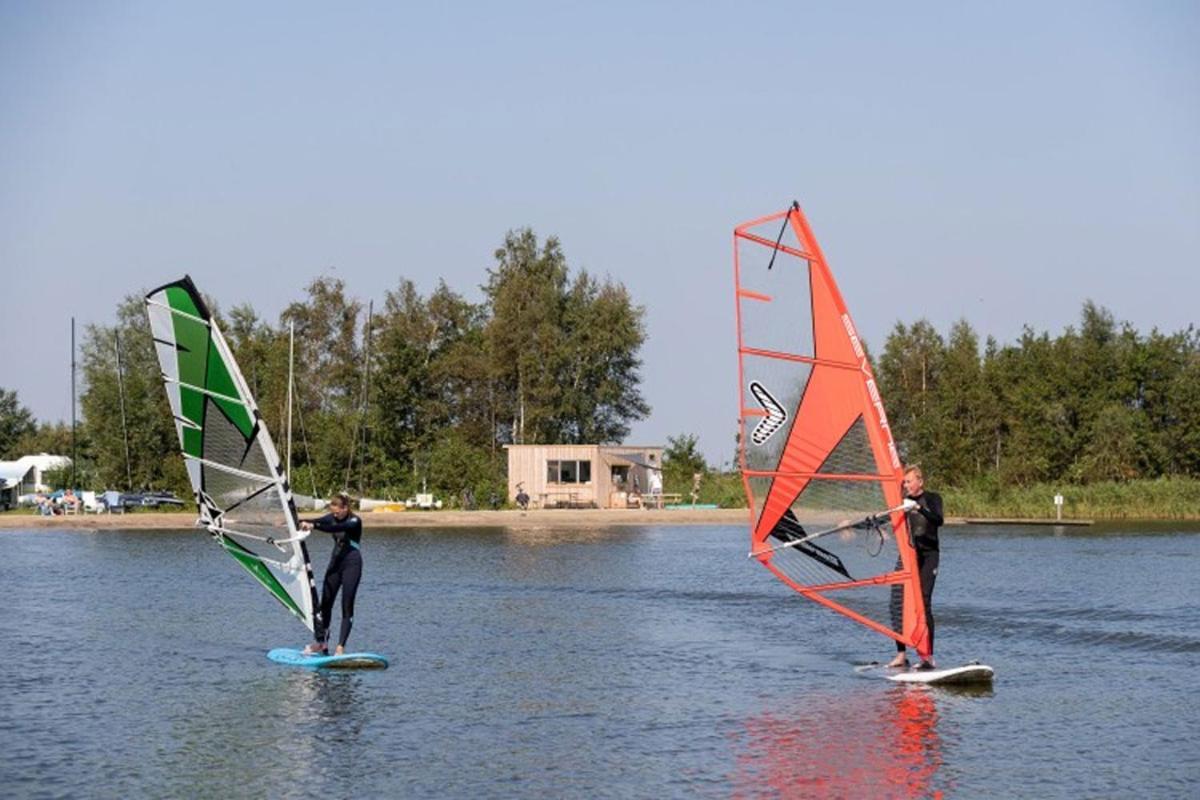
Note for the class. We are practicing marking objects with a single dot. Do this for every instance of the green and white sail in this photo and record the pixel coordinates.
(241, 488)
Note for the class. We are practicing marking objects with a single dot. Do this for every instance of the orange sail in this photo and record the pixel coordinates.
(818, 460)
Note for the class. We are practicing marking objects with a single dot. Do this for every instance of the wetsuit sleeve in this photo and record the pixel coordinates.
(929, 505)
(339, 530)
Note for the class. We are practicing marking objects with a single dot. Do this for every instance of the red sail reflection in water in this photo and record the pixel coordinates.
(859, 745)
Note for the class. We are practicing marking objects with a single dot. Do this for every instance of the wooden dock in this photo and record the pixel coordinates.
(1019, 521)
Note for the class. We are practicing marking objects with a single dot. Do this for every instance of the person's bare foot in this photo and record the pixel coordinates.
(316, 649)
(901, 660)
(339, 650)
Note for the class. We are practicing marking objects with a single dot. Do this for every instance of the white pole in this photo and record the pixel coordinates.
(291, 362)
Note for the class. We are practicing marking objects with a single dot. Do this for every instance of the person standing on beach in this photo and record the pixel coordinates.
(343, 572)
(923, 523)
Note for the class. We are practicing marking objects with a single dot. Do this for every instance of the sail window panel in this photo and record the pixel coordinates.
(849, 554)
(224, 443)
(839, 558)
(220, 381)
(775, 304)
(880, 603)
(853, 454)
(782, 384)
(227, 489)
(829, 501)
(758, 487)
(260, 506)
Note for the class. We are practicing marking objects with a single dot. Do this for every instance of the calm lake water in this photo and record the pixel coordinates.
(621, 662)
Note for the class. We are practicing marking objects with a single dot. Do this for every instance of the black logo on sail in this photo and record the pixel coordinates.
(773, 421)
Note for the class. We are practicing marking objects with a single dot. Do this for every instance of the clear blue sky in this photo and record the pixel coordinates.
(999, 162)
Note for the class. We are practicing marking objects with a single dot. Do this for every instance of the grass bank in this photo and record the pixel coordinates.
(1161, 498)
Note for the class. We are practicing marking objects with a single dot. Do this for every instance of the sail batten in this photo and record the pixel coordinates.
(228, 470)
(232, 463)
(816, 449)
(215, 395)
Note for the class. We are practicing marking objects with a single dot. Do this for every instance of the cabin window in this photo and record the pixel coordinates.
(568, 471)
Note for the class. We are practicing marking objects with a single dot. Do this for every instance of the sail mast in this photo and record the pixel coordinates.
(291, 383)
(74, 448)
(362, 461)
(121, 396)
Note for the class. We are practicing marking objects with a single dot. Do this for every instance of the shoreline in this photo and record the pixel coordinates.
(538, 519)
(534, 518)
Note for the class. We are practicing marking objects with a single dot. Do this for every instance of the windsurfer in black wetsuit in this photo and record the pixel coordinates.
(343, 572)
(923, 523)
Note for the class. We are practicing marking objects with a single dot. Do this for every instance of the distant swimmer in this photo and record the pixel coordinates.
(923, 523)
(343, 572)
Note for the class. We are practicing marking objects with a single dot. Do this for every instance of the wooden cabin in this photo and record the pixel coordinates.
(585, 475)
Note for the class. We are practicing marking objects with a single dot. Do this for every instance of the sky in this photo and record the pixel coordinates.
(1001, 163)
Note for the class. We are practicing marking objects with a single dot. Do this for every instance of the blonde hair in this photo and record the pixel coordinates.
(342, 499)
(914, 469)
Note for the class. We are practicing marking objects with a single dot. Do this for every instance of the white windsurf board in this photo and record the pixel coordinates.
(973, 673)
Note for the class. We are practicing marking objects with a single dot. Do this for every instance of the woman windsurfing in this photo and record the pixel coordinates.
(344, 572)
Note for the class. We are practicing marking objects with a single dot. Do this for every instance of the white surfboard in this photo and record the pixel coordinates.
(973, 673)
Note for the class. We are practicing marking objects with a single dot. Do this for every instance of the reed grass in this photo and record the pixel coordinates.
(1159, 498)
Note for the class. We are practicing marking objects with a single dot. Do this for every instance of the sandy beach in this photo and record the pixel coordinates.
(541, 519)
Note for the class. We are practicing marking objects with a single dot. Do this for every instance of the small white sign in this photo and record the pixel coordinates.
(1058, 499)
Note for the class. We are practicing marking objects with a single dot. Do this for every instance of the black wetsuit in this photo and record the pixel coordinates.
(923, 524)
(344, 572)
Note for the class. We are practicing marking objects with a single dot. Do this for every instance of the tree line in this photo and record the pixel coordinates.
(1099, 402)
(417, 390)
(426, 390)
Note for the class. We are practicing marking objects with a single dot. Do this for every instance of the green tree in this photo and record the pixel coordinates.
(456, 465)
(1180, 423)
(526, 295)
(329, 372)
(1114, 451)
(682, 460)
(564, 353)
(16, 421)
(600, 380)
(959, 445)
(910, 369)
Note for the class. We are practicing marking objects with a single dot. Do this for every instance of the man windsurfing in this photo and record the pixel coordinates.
(923, 523)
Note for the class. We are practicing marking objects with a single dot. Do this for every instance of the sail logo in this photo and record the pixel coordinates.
(872, 390)
(773, 421)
